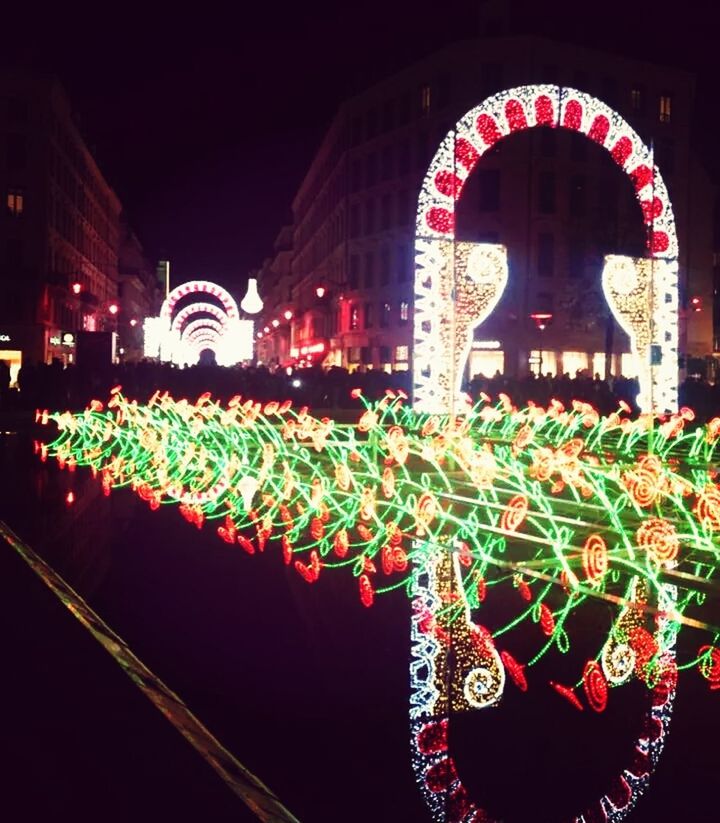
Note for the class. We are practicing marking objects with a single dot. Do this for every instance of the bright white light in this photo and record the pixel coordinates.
(437, 350)
(275, 323)
(296, 383)
(251, 303)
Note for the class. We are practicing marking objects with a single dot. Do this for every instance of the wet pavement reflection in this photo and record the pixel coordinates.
(303, 685)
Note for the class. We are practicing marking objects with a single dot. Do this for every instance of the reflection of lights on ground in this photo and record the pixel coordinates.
(542, 510)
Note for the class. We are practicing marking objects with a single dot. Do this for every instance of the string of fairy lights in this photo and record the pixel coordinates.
(554, 507)
(550, 500)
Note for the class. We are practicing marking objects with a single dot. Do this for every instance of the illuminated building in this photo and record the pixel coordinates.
(140, 293)
(554, 199)
(60, 229)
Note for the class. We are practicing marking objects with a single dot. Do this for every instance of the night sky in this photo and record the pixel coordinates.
(205, 121)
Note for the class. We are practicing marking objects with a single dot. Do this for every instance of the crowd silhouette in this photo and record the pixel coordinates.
(50, 386)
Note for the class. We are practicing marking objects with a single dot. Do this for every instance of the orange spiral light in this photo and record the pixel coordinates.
(515, 513)
(659, 538)
(595, 558)
(707, 507)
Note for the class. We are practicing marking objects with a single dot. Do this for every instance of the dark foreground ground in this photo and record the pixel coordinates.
(306, 687)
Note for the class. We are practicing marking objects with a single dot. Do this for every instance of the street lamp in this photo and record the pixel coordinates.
(320, 291)
(113, 309)
(288, 314)
(76, 288)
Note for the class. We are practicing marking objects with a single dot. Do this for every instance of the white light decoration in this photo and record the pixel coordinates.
(180, 336)
(251, 303)
(440, 337)
(461, 284)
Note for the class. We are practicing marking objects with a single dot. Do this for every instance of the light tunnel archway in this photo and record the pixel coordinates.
(180, 333)
(457, 285)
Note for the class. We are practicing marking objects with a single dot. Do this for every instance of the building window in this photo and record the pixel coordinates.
(637, 99)
(388, 115)
(404, 312)
(385, 211)
(403, 156)
(354, 317)
(370, 217)
(578, 146)
(354, 220)
(403, 208)
(665, 156)
(577, 258)
(546, 255)
(665, 108)
(578, 198)
(16, 151)
(371, 169)
(371, 124)
(385, 315)
(388, 162)
(15, 201)
(425, 99)
(546, 193)
(353, 354)
(402, 264)
(421, 148)
(384, 266)
(369, 270)
(492, 77)
(401, 354)
(489, 181)
(385, 354)
(354, 279)
(368, 315)
(548, 142)
(356, 176)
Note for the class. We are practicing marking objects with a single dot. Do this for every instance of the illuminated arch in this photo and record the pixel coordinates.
(178, 333)
(448, 307)
(206, 324)
(182, 318)
(199, 287)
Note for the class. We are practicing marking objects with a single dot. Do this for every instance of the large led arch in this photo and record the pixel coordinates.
(448, 307)
(199, 287)
(182, 318)
(179, 332)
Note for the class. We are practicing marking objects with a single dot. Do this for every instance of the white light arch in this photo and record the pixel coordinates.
(448, 307)
(182, 317)
(194, 287)
(179, 334)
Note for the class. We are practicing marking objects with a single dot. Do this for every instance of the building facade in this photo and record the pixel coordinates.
(140, 293)
(556, 200)
(60, 227)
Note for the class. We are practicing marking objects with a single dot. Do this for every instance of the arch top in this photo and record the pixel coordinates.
(526, 107)
(199, 287)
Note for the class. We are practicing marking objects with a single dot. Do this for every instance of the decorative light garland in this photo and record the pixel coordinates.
(440, 329)
(562, 505)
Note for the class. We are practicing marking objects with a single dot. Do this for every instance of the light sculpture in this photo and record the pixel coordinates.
(173, 337)
(440, 333)
(558, 508)
(251, 303)
(555, 508)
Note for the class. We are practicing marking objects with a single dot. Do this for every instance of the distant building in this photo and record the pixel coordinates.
(140, 293)
(553, 198)
(275, 282)
(59, 230)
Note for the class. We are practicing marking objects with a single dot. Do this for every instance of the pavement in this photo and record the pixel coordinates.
(80, 741)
